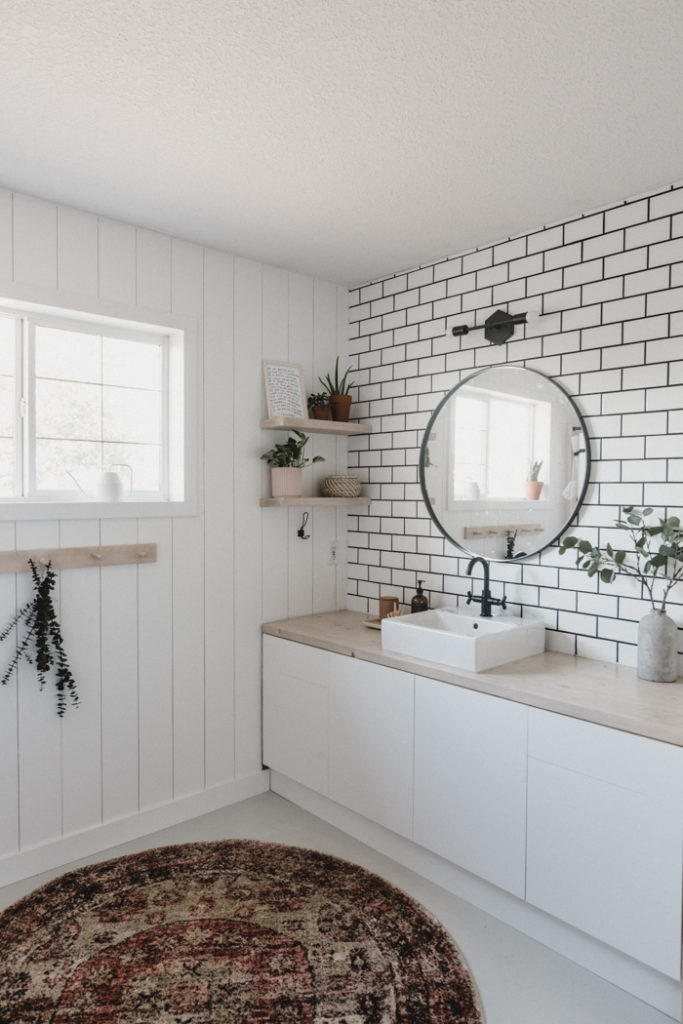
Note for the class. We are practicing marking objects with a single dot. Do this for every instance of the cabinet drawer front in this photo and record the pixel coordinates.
(295, 712)
(470, 781)
(634, 762)
(608, 861)
(371, 741)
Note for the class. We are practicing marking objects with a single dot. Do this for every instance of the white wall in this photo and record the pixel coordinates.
(611, 288)
(167, 657)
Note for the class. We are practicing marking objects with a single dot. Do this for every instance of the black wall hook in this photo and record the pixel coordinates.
(301, 532)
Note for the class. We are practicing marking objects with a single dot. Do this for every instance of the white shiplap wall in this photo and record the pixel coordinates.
(167, 656)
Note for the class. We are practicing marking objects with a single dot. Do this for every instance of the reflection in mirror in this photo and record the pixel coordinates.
(504, 463)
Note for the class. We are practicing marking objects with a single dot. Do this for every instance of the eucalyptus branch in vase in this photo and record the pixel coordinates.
(42, 643)
(655, 560)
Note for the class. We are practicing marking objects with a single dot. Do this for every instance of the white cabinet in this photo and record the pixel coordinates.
(371, 741)
(470, 781)
(295, 711)
(605, 843)
(341, 727)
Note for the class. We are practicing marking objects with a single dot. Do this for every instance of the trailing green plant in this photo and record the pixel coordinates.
(320, 400)
(534, 469)
(338, 386)
(42, 644)
(291, 452)
(656, 554)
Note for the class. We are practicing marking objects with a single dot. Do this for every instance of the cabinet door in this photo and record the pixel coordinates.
(295, 712)
(470, 781)
(605, 844)
(371, 741)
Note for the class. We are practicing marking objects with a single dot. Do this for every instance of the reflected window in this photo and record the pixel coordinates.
(495, 437)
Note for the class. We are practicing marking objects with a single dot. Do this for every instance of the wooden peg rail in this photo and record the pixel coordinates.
(78, 558)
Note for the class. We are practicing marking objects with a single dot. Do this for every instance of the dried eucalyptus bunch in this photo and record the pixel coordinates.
(42, 644)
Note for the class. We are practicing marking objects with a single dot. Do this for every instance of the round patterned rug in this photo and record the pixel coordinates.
(235, 931)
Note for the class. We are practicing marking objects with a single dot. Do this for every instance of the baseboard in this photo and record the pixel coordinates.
(73, 847)
(641, 981)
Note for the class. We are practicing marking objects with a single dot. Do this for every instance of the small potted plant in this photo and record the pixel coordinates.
(532, 485)
(286, 462)
(655, 559)
(319, 406)
(338, 391)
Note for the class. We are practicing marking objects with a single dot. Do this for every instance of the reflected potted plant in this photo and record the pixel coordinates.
(655, 559)
(338, 390)
(286, 462)
(532, 485)
(319, 406)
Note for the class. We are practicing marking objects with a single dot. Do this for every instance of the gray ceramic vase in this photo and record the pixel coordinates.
(657, 648)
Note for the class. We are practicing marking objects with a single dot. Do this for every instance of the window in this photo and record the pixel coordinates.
(80, 396)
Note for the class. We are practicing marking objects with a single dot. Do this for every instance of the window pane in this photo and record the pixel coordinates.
(67, 355)
(68, 410)
(55, 458)
(7, 345)
(144, 461)
(6, 407)
(133, 364)
(6, 467)
(131, 415)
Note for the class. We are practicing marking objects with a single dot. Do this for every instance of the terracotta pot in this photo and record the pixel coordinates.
(285, 481)
(341, 407)
(532, 489)
(320, 412)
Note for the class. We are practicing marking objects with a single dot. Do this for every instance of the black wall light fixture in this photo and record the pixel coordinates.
(498, 327)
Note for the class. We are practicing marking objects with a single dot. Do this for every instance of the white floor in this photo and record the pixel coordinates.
(521, 982)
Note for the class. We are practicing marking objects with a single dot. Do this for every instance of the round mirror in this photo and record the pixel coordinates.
(505, 463)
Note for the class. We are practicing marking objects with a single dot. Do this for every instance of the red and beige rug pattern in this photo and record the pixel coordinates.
(231, 932)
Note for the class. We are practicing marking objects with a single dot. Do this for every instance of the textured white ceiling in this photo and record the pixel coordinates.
(342, 138)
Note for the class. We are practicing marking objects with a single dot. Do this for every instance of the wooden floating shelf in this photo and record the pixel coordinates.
(315, 426)
(308, 502)
(78, 558)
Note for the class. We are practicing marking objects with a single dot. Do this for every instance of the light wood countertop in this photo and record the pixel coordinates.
(595, 691)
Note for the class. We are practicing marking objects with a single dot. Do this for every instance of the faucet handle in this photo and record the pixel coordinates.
(469, 597)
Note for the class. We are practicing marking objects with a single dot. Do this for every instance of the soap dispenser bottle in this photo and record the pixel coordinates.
(420, 602)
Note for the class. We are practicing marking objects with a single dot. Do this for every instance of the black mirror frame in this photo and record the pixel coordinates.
(424, 445)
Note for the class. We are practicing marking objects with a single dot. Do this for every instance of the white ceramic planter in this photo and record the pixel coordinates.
(285, 481)
(657, 648)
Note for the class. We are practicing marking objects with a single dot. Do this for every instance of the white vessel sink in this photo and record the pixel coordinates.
(460, 638)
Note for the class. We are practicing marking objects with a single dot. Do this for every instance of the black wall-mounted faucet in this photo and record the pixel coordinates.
(485, 599)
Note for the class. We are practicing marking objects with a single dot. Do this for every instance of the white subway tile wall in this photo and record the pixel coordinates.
(610, 287)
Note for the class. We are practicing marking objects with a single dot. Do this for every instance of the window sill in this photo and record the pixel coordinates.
(22, 510)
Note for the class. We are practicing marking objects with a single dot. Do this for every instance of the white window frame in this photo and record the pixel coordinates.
(181, 405)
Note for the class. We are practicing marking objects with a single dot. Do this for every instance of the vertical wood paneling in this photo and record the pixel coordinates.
(155, 668)
(79, 600)
(77, 255)
(219, 524)
(9, 776)
(300, 572)
(5, 234)
(277, 536)
(167, 656)
(35, 241)
(153, 270)
(40, 733)
(324, 530)
(342, 453)
(248, 554)
(119, 677)
(188, 575)
(117, 277)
